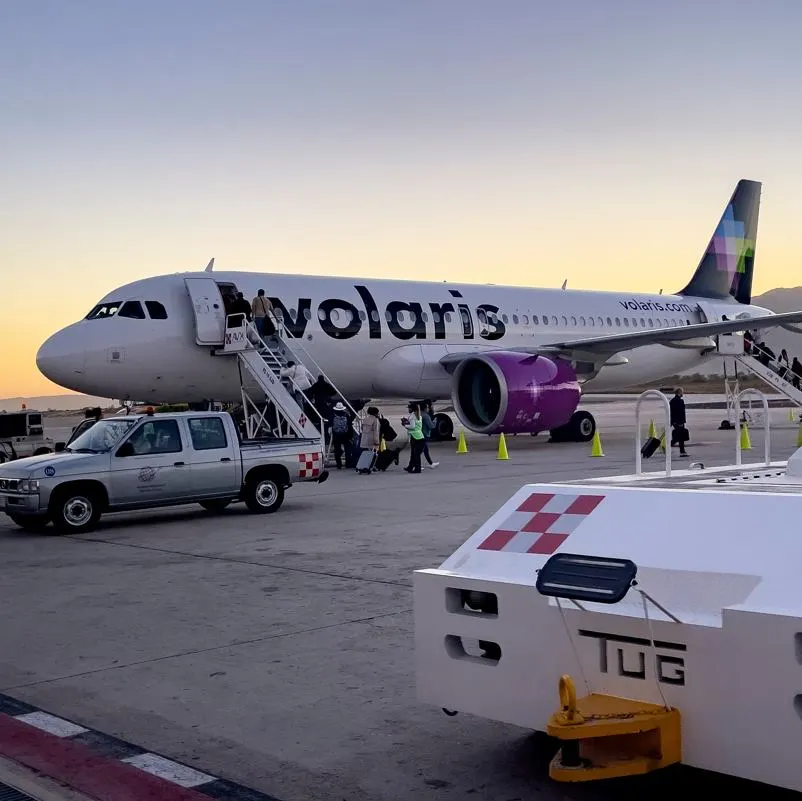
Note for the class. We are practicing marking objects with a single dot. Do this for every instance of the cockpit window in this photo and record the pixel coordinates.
(156, 310)
(132, 309)
(102, 310)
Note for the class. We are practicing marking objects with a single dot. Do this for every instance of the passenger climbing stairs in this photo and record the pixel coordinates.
(274, 405)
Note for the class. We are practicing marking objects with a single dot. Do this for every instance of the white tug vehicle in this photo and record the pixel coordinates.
(642, 620)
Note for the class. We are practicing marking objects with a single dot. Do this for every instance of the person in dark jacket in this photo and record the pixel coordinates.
(679, 434)
(796, 371)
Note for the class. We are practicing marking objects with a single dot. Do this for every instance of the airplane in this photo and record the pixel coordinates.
(510, 359)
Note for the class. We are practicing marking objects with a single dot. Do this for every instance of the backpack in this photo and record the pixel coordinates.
(386, 431)
(339, 425)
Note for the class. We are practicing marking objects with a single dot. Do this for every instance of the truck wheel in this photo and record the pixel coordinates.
(214, 505)
(263, 494)
(41, 451)
(74, 511)
(30, 522)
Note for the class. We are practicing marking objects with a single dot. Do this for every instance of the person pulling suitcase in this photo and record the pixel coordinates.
(369, 442)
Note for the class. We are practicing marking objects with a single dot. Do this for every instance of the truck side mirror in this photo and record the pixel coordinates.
(126, 449)
(61, 447)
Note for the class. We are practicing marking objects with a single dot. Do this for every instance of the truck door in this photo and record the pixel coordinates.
(215, 458)
(207, 306)
(152, 466)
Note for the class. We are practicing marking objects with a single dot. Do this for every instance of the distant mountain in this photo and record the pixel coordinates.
(43, 403)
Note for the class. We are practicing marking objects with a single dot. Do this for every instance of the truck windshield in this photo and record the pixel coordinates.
(102, 436)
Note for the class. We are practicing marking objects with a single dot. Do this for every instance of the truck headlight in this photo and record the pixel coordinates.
(29, 485)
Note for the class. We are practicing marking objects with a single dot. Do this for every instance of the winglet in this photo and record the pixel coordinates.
(210, 266)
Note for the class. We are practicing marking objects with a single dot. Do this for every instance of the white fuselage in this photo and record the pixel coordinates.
(372, 338)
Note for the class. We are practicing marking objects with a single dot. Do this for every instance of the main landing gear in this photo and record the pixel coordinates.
(580, 428)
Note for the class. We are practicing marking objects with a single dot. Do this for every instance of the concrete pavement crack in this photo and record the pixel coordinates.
(235, 560)
(235, 644)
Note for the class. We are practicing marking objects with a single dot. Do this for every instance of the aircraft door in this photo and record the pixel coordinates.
(207, 305)
(708, 313)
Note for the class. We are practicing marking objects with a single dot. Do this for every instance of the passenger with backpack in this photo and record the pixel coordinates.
(340, 432)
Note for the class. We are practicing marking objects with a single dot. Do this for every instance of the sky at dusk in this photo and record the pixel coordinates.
(507, 142)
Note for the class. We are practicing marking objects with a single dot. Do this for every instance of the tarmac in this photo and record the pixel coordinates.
(276, 652)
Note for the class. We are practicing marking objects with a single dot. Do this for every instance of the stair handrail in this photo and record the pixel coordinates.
(256, 342)
(775, 365)
(652, 393)
(766, 425)
(287, 334)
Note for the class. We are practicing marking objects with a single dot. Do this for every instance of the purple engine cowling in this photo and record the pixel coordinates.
(514, 393)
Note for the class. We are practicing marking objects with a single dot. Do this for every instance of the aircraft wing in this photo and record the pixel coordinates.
(594, 348)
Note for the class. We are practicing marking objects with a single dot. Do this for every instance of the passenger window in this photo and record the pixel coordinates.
(505, 318)
(565, 322)
(207, 433)
(651, 323)
(582, 321)
(155, 437)
(573, 321)
(618, 322)
(156, 310)
(609, 322)
(104, 310)
(307, 314)
(642, 323)
(590, 321)
(626, 322)
(132, 309)
(526, 319)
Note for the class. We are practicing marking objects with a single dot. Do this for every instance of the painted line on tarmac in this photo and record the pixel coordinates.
(104, 767)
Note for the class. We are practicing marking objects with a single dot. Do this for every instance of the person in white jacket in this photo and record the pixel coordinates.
(301, 379)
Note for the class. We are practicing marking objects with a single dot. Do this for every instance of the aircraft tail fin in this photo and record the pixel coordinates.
(728, 262)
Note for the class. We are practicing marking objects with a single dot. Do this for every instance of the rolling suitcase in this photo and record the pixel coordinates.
(366, 461)
(649, 447)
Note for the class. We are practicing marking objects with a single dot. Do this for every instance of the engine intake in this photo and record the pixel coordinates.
(514, 393)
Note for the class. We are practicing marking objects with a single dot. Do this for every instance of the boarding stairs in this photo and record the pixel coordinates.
(274, 405)
(770, 370)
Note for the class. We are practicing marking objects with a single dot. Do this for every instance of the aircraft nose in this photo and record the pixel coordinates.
(62, 358)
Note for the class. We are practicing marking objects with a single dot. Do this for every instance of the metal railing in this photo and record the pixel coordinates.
(651, 393)
(298, 343)
(766, 425)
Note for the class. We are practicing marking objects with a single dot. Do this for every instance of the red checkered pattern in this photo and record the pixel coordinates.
(310, 465)
(302, 420)
(541, 523)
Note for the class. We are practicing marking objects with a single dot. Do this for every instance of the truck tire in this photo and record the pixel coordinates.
(214, 505)
(263, 494)
(75, 510)
(30, 522)
(41, 451)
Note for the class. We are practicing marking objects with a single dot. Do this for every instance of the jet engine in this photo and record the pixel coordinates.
(514, 393)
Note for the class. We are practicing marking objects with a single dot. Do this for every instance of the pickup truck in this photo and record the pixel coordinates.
(143, 461)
